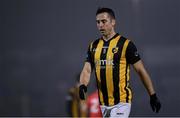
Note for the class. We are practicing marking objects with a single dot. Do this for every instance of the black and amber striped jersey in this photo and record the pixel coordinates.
(111, 60)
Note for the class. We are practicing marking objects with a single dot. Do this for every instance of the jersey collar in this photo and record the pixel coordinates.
(116, 35)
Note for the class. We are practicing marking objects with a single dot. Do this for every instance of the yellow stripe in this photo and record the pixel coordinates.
(98, 67)
(128, 74)
(122, 72)
(124, 49)
(91, 46)
(109, 71)
(128, 78)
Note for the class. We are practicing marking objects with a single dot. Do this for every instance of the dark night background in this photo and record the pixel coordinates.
(43, 45)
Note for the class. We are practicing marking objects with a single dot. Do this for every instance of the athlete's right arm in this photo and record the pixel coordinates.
(84, 80)
(85, 74)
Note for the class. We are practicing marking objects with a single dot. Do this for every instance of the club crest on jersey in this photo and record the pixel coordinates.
(115, 49)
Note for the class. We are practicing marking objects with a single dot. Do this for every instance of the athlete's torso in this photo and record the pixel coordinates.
(108, 58)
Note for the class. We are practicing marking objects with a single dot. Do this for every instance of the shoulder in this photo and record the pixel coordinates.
(131, 44)
(125, 39)
(94, 43)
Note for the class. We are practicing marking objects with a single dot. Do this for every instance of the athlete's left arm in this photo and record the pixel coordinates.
(144, 76)
(133, 58)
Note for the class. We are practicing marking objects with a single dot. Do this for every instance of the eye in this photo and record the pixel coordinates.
(97, 21)
(104, 21)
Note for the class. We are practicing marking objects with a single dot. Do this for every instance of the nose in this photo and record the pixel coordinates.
(100, 25)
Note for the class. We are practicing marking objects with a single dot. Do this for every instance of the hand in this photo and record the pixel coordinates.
(155, 103)
(82, 91)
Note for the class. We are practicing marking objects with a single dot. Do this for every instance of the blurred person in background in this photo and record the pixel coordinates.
(93, 106)
(75, 106)
(111, 56)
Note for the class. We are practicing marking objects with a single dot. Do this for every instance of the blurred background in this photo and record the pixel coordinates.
(43, 45)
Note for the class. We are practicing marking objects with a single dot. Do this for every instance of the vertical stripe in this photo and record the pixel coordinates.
(122, 75)
(116, 70)
(97, 55)
(93, 46)
(125, 87)
(124, 68)
(103, 63)
(124, 48)
(109, 70)
(98, 84)
(128, 87)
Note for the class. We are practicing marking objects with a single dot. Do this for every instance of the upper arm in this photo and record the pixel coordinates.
(132, 54)
(140, 69)
(88, 66)
(89, 57)
(138, 66)
(144, 76)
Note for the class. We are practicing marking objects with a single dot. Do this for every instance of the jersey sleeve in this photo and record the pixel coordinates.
(132, 54)
(89, 55)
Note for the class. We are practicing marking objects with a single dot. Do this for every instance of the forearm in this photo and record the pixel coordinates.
(144, 76)
(84, 77)
(84, 80)
(146, 80)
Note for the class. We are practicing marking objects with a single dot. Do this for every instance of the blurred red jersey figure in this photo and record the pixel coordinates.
(75, 107)
(93, 105)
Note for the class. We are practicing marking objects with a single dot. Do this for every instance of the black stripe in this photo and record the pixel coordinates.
(116, 60)
(127, 92)
(103, 75)
(98, 88)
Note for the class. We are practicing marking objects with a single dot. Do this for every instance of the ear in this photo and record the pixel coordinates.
(113, 22)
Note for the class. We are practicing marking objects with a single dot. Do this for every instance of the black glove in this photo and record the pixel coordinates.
(82, 91)
(155, 103)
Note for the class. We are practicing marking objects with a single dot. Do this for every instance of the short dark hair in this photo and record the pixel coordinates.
(107, 10)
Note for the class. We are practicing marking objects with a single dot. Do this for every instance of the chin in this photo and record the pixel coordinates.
(103, 33)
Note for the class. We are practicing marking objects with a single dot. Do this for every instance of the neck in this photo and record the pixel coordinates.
(109, 36)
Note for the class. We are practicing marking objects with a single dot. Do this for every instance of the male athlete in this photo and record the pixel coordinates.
(111, 56)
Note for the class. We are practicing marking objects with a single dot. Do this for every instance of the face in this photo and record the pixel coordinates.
(105, 23)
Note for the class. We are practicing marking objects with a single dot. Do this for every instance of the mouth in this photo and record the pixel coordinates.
(102, 30)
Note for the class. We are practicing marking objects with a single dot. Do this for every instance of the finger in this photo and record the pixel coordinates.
(82, 95)
(158, 107)
(153, 107)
